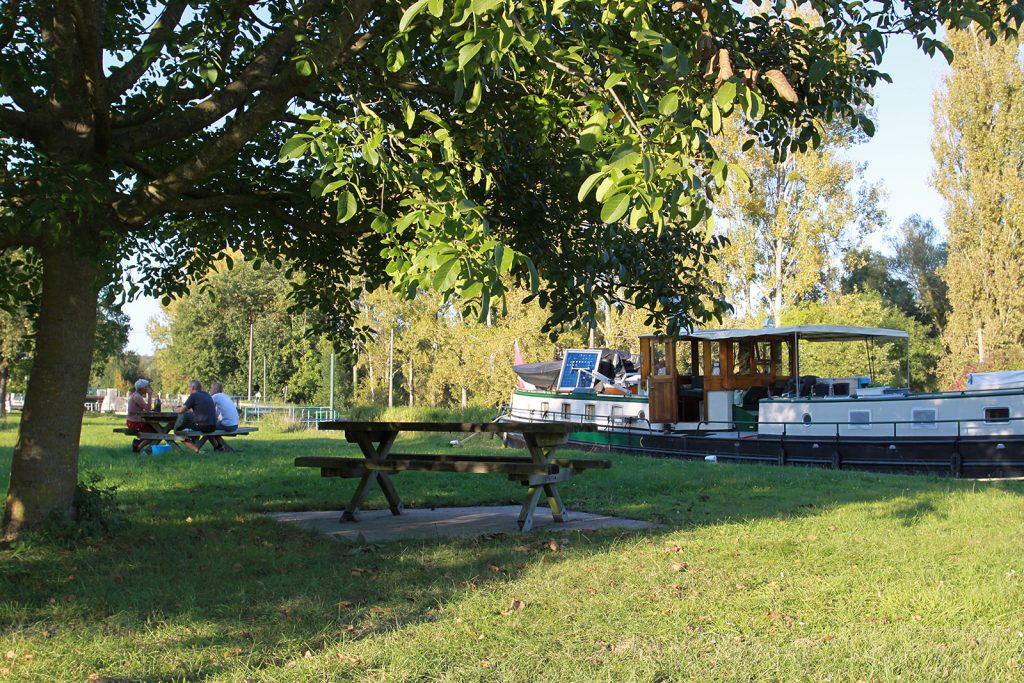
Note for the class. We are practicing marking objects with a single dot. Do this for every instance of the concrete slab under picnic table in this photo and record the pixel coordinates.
(376, 526)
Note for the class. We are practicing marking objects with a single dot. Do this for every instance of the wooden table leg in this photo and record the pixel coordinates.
(352, 509)
(542, 448)
(376, 452)
(558, 511)
(529, 505)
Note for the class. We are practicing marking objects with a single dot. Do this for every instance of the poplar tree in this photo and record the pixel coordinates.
(979, 154)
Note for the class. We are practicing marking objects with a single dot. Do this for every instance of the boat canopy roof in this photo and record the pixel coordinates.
(809, 332)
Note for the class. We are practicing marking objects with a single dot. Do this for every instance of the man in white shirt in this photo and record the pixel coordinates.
(227, 414)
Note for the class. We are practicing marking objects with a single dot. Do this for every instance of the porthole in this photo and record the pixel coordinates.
(807, 418)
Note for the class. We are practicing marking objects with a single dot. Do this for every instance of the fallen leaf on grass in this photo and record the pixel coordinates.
(380, 610)
(11, 655)
(916, 617)
(972, 644)
(308, 654)
(515, 607)
(349, 659)
(232, 653)
(622, 647)
(343, 603)
(4, 671)
(487, 664)
(592, 591)
(117, 578)
(807, 642)
(680, 566)
(236, 567)
(70, 597)
(493, 568)
(188, 520)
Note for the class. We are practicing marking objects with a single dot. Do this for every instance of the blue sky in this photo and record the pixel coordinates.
(899, 156)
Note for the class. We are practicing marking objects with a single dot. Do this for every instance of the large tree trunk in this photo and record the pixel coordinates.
(44, 471)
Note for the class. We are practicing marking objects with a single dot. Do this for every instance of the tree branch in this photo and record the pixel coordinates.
(254, 77)
(271, 203)
(88, 29)
(267, 107)
(130, 72)
(19, 124)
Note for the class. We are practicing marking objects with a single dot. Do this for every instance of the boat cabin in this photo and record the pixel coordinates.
(720, 376)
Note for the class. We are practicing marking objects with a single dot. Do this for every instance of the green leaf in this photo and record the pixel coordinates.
(615, 208)
(332, 187)
(481, 7)
(867, 125)
(726, 95)
(396, 57)
(410, 115)
(346, 206)
(293, 148)
(436, 7)
(411, 13)
(504, 257)
(474, 99)
(604, 189)
(534, 276)
(668, 104)
(209, 73)
(818, 71)
(588, 185)
(716, 117)
(304, 67)
(467, 52)
(741, 173)
(613, 79)
(446, 274)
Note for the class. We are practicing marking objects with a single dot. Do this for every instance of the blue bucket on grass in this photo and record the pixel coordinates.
(161, 449)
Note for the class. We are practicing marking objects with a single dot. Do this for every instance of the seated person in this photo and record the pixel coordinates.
(138, 403)
(227, 414)
(198, 413)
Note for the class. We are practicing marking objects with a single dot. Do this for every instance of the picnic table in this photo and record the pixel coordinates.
(540, 473)
(163, 422)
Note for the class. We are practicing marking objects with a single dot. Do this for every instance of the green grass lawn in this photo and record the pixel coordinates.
(756, 573)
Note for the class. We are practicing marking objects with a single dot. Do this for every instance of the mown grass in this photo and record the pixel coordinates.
(756, 573)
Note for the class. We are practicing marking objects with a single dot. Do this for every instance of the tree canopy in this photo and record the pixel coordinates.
(453, 142)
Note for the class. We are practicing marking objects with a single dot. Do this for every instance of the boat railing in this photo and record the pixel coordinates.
(747, 428)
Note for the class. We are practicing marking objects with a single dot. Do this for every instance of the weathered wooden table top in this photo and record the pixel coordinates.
(485, 427)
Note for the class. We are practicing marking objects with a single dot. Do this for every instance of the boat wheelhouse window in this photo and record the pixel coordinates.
(659, 360)
(545, 407)
(997, 415)
(589, 411)
(743, 357)
(617, 415)
(567, 411)
(860, 419)
(924, 418)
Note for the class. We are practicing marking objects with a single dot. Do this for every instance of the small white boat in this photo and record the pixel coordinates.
(738, 394)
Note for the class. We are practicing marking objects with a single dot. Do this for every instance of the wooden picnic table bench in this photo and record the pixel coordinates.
(540, 472)
(160, 422)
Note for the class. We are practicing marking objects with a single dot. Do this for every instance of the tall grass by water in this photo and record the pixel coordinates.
(756, 573)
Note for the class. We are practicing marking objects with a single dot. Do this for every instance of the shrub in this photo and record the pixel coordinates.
(280, 421)
(96, 512)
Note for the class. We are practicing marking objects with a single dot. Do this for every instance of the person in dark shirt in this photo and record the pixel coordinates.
(198, 413)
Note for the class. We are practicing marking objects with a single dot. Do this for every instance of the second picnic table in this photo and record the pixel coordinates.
(540, 473)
